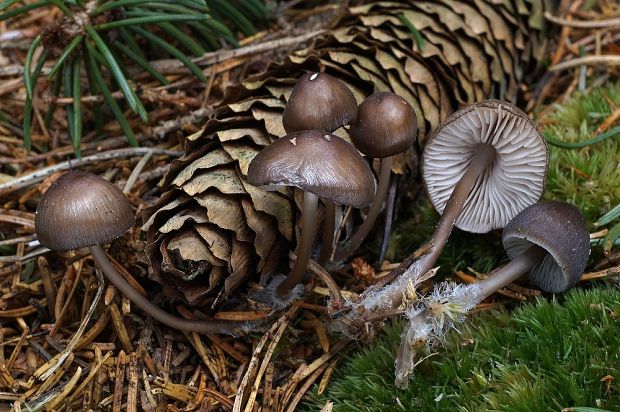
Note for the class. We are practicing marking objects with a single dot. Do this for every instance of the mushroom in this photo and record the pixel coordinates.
(481, 167)
(386, 125)
(319, 101)
(81, 209)
(321, 165)
(548, 239)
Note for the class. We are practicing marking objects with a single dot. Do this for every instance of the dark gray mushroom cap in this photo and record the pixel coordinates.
(81, 209)
(562, 231)
(315, 161)
(319, 101)
(386, 125)
(515, 180)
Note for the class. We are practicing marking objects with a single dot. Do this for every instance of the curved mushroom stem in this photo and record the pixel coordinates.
(308, 231)
(361, 233)
(205, 326)
(329, 227)
(512, 271)
(483, 158)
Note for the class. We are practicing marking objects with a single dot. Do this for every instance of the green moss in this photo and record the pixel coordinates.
(544, 356)
(588, 177)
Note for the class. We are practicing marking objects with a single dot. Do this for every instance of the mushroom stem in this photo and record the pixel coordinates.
(512, 271)
(308, 231)
(329, 227)
(478, 164)
(205, 326)
(389, 219)
(361, 233)
(483, 158)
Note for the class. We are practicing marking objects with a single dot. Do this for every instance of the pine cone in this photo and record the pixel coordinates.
(211, 230)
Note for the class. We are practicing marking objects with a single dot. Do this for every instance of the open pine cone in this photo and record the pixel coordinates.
(211, 230)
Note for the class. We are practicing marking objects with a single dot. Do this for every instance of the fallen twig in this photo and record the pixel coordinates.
(583, 24)
(39, 175)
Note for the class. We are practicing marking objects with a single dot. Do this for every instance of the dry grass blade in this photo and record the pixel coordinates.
(119, 382)
(40, 174)
(78, 334)
(91, 374)
(261, 371)
(132, 388)
(48, 285)
(119, 326)
(251, 369)
(65, 391)
(304, 388)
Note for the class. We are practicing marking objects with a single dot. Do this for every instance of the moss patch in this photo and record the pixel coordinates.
(544, 356)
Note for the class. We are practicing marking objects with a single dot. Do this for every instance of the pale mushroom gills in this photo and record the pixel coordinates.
(514, 180)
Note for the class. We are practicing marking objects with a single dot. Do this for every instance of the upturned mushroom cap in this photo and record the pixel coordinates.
(562, 231)
(386, 125)
(315, 161)
(81, 209)
(515, 180)
(319, 101)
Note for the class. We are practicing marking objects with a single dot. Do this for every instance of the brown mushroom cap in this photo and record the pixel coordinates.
(319, 101)
(515, 180)
(386, 125)
(562, 231)
(315, 161)
(81, 209)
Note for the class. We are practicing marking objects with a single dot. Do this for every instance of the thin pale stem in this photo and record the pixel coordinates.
(505, 275)
(329, 228)
(205, 326)
(480, 161)
(368, 223)
(389, 218)
(308, 231)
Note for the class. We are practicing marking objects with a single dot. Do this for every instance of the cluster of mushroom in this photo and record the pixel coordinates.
(484, 168)
(323, 165)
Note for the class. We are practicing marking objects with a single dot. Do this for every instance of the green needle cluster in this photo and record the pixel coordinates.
(101, 40)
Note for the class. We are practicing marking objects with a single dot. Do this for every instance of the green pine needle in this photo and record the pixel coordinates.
(141, 62)
(27, 121)
(7, 3)
(135, 21)
(77, 108)
(18, 11)
(65, 53)
(28, 82)
(112, 64)
(172, 51)
(107, 95)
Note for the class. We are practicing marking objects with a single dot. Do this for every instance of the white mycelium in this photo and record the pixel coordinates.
(515, 179)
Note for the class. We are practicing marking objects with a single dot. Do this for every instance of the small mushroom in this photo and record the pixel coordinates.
(319, 101)
(321, 165)
(81, 209)
(484, 165)
(548, 239)
(386, 125)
